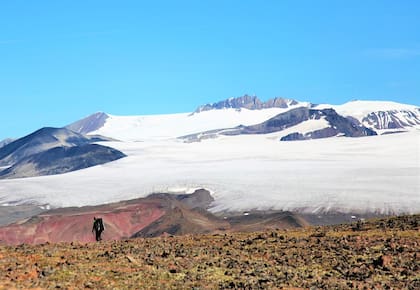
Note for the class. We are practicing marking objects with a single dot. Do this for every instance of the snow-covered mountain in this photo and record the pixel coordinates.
(157, 127)
(296, 124)
(247, 166)
(381, 117)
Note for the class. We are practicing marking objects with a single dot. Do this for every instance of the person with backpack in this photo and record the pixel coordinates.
(98, 227)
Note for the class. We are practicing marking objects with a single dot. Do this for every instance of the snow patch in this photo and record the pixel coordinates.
(303, 128)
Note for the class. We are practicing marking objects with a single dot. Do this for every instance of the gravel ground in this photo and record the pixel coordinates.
(381, 254)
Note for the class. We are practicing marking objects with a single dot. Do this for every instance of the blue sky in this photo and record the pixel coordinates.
(63, 60)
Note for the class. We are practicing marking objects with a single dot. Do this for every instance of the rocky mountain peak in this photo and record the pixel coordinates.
(247, 102)
(89, 124)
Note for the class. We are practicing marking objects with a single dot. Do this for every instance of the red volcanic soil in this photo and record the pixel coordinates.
(121, 220)
(156, 215)
(75, 224)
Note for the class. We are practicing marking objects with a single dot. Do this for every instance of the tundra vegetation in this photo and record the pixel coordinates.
(380, 254)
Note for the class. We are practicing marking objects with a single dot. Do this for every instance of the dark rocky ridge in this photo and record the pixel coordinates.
(339, 125)
(59, 160)
(52, 151)
(6, 141)
(38, 141)
(199, 199)
(247, 102)
(181, 220)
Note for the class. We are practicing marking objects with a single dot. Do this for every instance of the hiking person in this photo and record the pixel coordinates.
(98, 227)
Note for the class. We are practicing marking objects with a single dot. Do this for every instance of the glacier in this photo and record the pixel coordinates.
(378, 174)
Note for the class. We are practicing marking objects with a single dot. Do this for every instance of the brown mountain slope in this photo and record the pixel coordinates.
(144, 217)
(75, 224)
(180, 221)
(257, 221)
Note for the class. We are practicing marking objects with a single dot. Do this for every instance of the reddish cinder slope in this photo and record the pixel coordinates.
(158, 214)
(75, 224)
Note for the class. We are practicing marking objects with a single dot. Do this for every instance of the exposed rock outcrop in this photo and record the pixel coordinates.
(89, 124)
(337, 126)
(247, 102)
(393, 119)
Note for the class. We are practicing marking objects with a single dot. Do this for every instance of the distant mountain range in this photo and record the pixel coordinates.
(373, 117)
(59, 150)
(293, 120)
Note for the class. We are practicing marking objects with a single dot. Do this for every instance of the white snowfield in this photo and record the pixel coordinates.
(160, 127)
(369, 174)
(360, 108)
(152, 127)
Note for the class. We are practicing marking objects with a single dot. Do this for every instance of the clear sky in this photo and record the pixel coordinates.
(63, 60)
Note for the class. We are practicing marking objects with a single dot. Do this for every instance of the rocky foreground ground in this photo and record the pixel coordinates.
(379, 254)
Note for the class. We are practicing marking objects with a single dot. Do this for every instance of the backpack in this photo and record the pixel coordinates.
(99, 225)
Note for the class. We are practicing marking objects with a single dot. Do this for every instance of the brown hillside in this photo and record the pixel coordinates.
(144, 217)
(380, 254)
